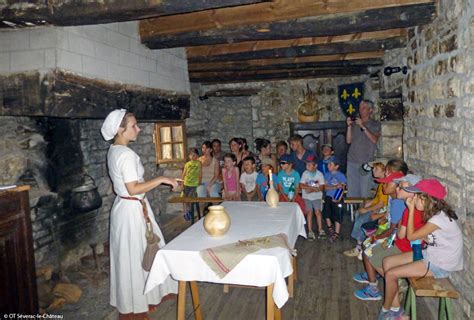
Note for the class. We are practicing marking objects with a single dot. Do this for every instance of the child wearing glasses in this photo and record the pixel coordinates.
(289, 181)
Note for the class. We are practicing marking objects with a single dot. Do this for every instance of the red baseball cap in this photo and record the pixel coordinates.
(391, 177)
(431, 187)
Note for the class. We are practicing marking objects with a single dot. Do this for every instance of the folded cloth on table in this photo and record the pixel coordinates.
(223, 259)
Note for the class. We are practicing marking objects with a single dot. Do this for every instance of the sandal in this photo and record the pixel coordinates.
(335, 236)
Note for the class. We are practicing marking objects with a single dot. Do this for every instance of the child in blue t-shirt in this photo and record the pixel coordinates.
(288, 182)
(327, 152)
(263, 179)
(332, 212)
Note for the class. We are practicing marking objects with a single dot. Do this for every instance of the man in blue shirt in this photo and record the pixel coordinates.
(299, 154)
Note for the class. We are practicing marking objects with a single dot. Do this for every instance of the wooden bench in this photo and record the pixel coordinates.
(431, 287)
(194, 201)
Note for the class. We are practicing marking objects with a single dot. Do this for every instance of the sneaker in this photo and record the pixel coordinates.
(397, 315)
(352, 253)
(369, 293)
(311, 236)
(383, 315)
(361, 277)
(359, 256)
(322, 235)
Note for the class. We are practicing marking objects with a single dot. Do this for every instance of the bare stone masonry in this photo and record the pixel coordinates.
(438, 132)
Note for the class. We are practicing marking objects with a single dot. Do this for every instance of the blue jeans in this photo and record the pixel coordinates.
(357, 232)
(215, 190)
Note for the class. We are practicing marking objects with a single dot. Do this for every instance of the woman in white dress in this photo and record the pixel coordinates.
(127, 222)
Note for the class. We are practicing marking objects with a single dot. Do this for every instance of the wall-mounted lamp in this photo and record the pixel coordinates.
(389, 70)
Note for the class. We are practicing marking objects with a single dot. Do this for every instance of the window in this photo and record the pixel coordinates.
(170, 142)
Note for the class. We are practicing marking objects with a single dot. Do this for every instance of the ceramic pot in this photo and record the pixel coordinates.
(217, 221)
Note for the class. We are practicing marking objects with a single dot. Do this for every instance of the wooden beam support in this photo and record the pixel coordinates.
(242, 66)
(317, 26)
(73, 12)
(224, 77)
(261, 13)
(276, 62)
(64, 95)
(312, 50)
(222, 49)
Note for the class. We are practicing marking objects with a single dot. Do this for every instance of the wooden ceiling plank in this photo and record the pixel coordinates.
(312, 50)
(74, 12)
(294, 60)
(220, 49)
(261, 13)
(242, 66)
(279, 75)
(318, 26)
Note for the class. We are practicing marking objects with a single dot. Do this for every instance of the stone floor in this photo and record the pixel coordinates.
(324, 289)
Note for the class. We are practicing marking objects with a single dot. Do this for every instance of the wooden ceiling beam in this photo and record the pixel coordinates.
(255, 64)
(312, 50)
(223, 49)
(242, 66)
(74, 12)
(316, 26)
(225, 77)
(261, 13)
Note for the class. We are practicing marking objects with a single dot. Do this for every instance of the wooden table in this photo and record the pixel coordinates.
(267, 268)
(194, 201)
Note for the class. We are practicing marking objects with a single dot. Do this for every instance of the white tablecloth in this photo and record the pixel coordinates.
(181, 258)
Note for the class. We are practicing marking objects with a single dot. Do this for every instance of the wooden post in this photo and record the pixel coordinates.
(181, 300)
(196, 302)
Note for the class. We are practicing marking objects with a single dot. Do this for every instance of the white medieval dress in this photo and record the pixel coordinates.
(127, 238)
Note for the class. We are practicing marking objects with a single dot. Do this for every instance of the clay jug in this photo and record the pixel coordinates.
(217, 221)
(272, 197)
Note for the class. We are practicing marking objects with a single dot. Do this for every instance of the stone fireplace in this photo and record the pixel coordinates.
(57, 85)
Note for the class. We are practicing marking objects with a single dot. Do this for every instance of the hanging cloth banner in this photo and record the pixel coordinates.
(350, 96)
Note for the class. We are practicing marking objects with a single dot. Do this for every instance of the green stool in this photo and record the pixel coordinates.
(431, 287)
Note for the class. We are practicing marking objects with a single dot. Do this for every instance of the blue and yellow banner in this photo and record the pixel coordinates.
(350, 95)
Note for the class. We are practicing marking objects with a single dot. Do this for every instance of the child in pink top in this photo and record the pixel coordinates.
(230, 178)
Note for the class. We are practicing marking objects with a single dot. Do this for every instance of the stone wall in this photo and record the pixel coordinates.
(438, 131)
(269, 112)
(109, 52)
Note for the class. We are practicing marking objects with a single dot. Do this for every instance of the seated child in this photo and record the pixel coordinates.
(192, 174)
(389, 222)
(373, 264)
(332, 212)
(312, 184)
(230, 178)
(248, 180)
(288, 182)
(263, 179)
(444, 253)
(363, 214)
(393, 165)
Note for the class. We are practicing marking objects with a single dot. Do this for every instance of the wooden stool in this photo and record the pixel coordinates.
(351, 202)
(431, 287)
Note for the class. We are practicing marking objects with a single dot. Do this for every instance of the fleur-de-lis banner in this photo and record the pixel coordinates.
(350, 95)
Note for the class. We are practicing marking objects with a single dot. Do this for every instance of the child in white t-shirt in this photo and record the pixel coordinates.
(312, 182)
(248, 179)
